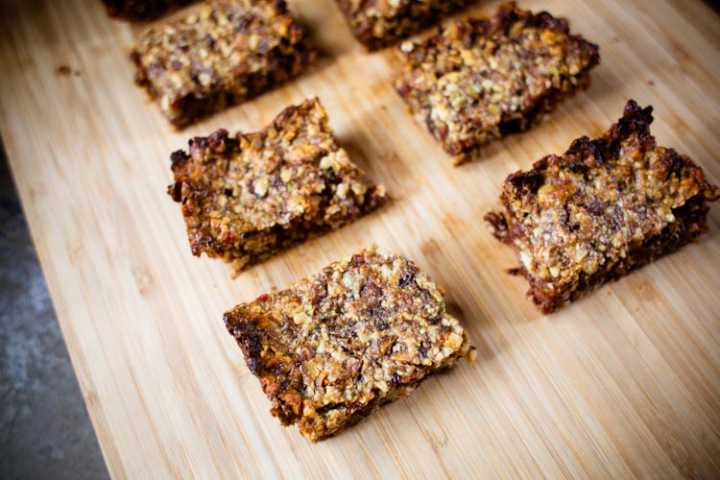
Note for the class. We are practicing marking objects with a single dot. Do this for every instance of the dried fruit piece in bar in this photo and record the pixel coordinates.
(378, 23)
(333, 347)
(221, 54)
(247, 196)
(607, 206)
(141, 9)
(477, 80)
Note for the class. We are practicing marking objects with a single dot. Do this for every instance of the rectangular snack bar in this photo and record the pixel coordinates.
(224, 53)
(379, 23)
(477, 80)
(605, 207)
(141, 9)
(333, 347)
(247, 196)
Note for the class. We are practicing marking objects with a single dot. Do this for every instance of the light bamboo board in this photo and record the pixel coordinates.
(623, 384)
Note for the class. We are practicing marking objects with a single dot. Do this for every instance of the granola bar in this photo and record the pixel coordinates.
(379, 23)
(605, 207)
(477, 80)
(141, 9)
(222, 54)
(244, 197)
(333, 347)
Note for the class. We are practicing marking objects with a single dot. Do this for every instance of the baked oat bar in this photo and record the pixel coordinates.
(333, 347)
(379, 23)
(246, 196)
(221, 54)
(141, 9)
(604, 208)
(477, 80)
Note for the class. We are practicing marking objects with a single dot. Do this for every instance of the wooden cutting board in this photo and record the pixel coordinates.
(623, 384)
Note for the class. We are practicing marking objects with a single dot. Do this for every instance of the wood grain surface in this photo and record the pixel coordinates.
(623, 384)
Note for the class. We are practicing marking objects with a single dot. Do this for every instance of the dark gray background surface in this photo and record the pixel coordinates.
(45, 431)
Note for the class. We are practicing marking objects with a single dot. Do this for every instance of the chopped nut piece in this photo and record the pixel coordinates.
(604, 208)
(247, 196)
(333, 347)
(222, 54)
(379, 23)
(477, 80)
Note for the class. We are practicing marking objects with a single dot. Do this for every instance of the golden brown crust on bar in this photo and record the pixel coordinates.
(333, 347)
(379, 23)
(221, 54)
(607, 206)
(477, 80)
(247, 196)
